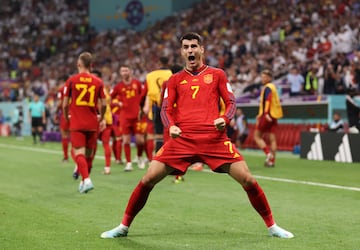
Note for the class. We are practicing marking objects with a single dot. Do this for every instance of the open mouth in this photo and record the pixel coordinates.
(191, 58)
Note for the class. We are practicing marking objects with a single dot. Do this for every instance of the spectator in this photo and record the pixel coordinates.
(352, 110)
(296, 81)
(337, 124)
(311, 81)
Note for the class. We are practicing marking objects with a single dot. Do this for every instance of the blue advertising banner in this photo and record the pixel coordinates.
(132, 14)
(127, 14)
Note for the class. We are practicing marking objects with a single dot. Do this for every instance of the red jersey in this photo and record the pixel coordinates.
(130, 95)
(197, 97)
(84, 90)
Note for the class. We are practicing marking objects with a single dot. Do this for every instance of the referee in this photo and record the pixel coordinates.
(37, 117)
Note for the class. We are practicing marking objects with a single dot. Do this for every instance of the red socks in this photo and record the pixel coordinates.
(266, 150)
(259, 202)
(107, 152)
(136, 202)
(149, 149)
(82, 165)
(65, 147)
(127, 152)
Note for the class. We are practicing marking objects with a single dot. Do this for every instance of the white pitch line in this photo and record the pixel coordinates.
(308, 183)
(49, 151)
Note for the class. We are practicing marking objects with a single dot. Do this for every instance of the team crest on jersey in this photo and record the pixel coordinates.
(208, 78)
(134, 86)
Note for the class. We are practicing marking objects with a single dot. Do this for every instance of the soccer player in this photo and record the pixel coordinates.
(117, 143)
(270, 111)
(129, 93)
(64, 124)
(197, 134)
(85, 90)
(154, 82)
(37, 117)
(108, 132)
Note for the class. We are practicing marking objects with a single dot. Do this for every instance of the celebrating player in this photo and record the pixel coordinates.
(198, 134)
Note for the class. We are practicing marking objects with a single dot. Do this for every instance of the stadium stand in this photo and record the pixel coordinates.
(242, 37)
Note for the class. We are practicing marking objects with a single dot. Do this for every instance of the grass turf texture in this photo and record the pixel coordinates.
(40, 207)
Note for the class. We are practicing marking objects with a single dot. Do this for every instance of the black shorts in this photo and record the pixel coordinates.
(36, 122)
(242, 138)
(158, 125)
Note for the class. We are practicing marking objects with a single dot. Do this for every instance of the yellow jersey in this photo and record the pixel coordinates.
(273, 107)
(154, 81)
(108, 113)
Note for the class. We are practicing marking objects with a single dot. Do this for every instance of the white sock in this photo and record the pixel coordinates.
(87, 181)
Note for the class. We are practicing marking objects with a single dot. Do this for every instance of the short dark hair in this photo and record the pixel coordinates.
(97, 73)
(86, 59)
(164, 60)
(192, 36)
(176, 68)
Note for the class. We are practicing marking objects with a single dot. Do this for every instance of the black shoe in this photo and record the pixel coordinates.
(75, 175)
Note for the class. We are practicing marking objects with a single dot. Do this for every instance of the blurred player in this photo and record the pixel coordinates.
(152, 106)
(63, 123)
(129, 92)
(270, 111)
(107, 133)
(85, 90)
(117, 143)
(197, 134)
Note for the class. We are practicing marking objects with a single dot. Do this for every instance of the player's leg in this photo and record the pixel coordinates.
(149, 142)
(105, 138)
(33, 133)
(65, 144)
(78, 141)
(40, 132)
(140, 132)
(273, 148)
(155, 173)
(239, 171)
(127, 150)
(140, 146)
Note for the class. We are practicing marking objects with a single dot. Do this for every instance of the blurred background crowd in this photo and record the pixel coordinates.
(316, 40)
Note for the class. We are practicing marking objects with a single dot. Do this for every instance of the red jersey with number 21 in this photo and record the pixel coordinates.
(84, 89)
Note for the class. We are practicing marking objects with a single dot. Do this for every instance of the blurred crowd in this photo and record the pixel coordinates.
(316, 40)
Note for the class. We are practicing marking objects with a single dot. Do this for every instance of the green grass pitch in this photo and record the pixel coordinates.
(40, 207)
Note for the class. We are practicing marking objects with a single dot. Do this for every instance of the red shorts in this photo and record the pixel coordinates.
(131, 126)
(265, 126)
(141, 126)
(64, 124)
(183, 151)
(87, 139)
